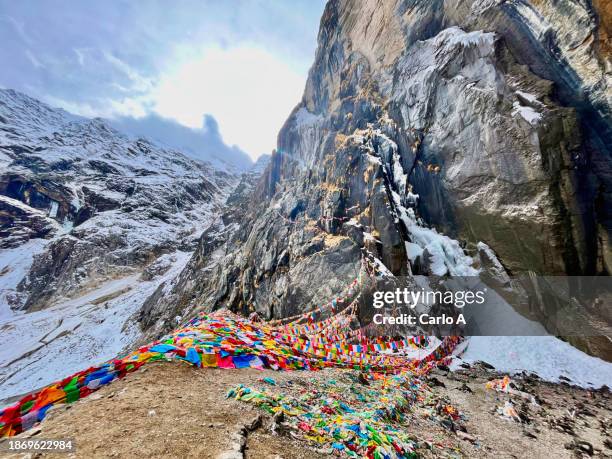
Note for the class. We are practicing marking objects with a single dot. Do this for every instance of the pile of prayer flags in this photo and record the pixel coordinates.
(357, 420)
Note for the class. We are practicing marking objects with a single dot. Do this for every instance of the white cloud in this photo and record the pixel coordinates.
(80, 54)
(34, 60)
(111, 108)
(243, 62)
(19, 27)
(139, 83)
(248, 90)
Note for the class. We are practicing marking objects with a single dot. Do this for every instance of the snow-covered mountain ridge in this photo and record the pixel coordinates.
(109, 204)
(92, 221)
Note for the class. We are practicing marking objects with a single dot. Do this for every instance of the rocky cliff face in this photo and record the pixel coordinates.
(483, 120)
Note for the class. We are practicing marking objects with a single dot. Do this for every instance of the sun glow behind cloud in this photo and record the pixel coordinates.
(248, 90)
(244, 62)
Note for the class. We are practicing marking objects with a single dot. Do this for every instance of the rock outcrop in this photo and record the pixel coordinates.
(485, 120)
(20, 223)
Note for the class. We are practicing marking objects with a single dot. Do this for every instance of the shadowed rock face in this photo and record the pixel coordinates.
(32, 224)
(495, 113)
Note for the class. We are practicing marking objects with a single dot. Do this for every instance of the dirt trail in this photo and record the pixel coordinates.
(174, 410)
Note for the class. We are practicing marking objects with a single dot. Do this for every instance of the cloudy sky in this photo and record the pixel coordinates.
(243, 62)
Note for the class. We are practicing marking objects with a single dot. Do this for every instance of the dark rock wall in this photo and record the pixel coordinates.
(496, 113)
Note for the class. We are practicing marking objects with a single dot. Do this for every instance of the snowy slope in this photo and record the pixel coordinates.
(15, 264)
(92, 223)
(47, 345)
(535, 352)
(547, 356)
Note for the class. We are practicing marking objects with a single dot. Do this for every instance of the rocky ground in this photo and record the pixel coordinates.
(173, 410)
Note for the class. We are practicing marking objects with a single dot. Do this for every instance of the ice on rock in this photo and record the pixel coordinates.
(447, 255)
(454, 36)
(53, 209)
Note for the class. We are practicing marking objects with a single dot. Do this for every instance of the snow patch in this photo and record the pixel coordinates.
(527, 113)
(529, 97)
(305, 118)
(21, 205)
(456, 36)
(547, 356)
(381, 268)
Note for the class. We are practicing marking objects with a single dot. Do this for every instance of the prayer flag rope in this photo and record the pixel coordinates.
(225, 340)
